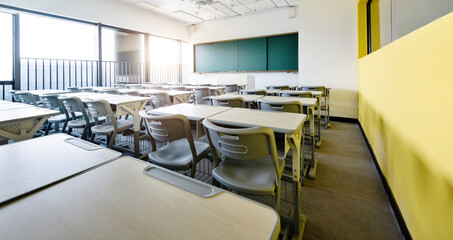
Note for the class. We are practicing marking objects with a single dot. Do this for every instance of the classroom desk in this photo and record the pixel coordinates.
(22, 123)
(291, 125)
(97, 89)
(13, 105)
(194, 112)
(128, 199)
(318, 95)
(326, 96)
(247, 98)
(39, 93)
(34, 164)
(310, 104)
(214, 91)
(175, 96)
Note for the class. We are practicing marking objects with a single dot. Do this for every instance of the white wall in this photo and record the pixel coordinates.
(262, 24)
(109, 12)
(328, 52)
(400, 17)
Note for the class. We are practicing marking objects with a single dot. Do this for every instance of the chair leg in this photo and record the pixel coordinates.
(192, 171)
(92, 137)
(277, 198)
(112, 140)
(65, 125)
(84, 134)
(49, 125)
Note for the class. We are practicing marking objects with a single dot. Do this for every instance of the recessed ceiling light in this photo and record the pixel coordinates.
(187, 16)
(280, 3)
(221, 7)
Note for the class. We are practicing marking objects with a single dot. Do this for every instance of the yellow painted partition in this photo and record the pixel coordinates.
(406, 111)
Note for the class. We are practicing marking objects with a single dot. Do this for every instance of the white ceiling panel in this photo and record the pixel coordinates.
(198, 13)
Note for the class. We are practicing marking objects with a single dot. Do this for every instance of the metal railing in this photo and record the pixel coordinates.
(45, 73)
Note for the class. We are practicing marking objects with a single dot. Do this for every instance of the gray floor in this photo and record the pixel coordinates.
(347, 199)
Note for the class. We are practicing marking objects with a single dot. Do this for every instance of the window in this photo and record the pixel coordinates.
(164, 60)
(6, 47)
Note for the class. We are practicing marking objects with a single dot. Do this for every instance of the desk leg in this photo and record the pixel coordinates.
(134, 110)
(10, 131)
(312, 165)
(199, 129)
(319, 140)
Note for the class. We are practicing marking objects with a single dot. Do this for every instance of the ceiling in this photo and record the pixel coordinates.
(197, 11)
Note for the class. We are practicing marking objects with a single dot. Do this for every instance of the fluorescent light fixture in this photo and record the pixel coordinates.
(221, 7)
(280, 3)
(186, 15)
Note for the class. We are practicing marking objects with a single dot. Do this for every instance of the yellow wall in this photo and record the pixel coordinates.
(406, 111)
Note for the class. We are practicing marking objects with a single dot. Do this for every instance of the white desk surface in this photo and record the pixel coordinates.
(29, 165)
(98, 88)
(118, 201)
(308, 102)
(315, 93)
(48, 91)
(170, 92)
(24, 113)
(280, 122)
(117, 99)
(193, 112)
(247, 98)
(13, 105)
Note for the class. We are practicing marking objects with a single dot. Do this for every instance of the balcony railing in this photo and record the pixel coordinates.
(44, 73)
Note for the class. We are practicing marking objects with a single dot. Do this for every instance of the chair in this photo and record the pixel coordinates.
(74, 107)
(324, 102)
(73, 89)
(292, 107)
(52, 102)
(160, 99)
(205, 85)
(250, 161)
(181, 152)
(281, 87)
(14, 96)
(297, 94)
(110, 91)
(86, 90)
(132, 93)
(201, 94)
(27, 98)
(253, 92)
(101, 108)
(135, 86)
(155, 87)
(229, 88)
(228, 102)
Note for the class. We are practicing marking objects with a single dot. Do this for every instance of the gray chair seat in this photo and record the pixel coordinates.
(57, 119)
(177, 154)
(256, 178)
(107, 128)
(80, 123)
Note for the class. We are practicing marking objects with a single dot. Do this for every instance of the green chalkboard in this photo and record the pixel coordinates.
(203, 58)
(226, 56)
(252, 54)
(278, 53)
(282, 53)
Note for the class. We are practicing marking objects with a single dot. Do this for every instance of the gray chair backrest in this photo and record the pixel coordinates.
(27, 98)
(205, 85)
(318, 88)
(292, 94)
(201, 93)
(73, 89)
(241, 143)
(155, 87)
(110, 91)
(231, 88)
(228, 102)
(101, 108)
(167, 128)
(292, 107)
(253, 92)
(86, 90)
(135, 87)
(161, 99)
(282, 87)
(73, 105)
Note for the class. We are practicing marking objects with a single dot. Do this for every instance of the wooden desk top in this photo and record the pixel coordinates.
(308, 102)
(193, 112)
(315, 93)
(24, 113)
(280, 122)
(247, 98)
(118, 201)
(13, 105)
(29, 165)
